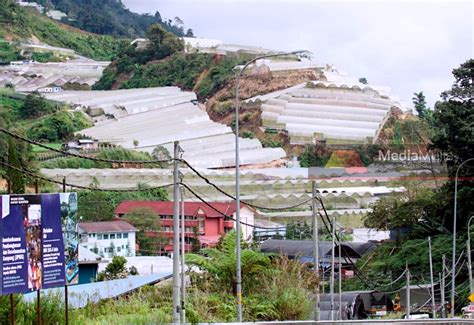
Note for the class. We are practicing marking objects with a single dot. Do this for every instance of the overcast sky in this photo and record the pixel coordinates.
(406, 45)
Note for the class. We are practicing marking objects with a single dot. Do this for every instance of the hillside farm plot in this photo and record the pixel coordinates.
(337, 109)
(143, 119)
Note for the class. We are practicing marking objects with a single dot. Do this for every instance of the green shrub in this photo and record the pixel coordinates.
(247, 134)
(8, 52)
(271, 141)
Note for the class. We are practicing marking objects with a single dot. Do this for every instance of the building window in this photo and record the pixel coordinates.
(125, 235)
(112, 236)
(99, 236)
(119, 249)
(187, 229)
(119, 236)
(201, 225)
(106, 236)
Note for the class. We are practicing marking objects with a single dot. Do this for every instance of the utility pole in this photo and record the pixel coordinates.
(340, 274)
(469, 262)
(443, 287)
(315, 250)
(331, 283)
(176, 301)
(453, 271)
(183, 265)
(442, 294)
(433, 303)
(408, 293)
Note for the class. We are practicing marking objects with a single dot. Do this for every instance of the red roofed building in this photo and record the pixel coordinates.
(200, 220)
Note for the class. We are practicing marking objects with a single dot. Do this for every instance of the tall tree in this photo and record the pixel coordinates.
(419, 101)
(147, 221)
(453, 117)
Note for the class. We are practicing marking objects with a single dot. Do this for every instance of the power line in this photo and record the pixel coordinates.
(18, 137)
(66, 153)
(207, 181)
(90, 188)
(224, 214)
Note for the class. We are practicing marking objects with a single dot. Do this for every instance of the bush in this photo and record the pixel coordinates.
(271, 141)
(45, 57)
(313, 157)
(247, 134)
(57, 127)
(8, 52)
(35, 106)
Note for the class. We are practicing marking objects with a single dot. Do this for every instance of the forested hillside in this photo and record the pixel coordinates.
(20, 24)
(111, 17)
(163, 63)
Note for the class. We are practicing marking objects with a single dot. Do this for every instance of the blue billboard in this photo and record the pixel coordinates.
(38, 242)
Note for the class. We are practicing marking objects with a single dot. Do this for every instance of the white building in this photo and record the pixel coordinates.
(108, 238)
(50, 89)
(369, 235)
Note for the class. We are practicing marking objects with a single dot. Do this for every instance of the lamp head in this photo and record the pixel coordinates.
(303, 54)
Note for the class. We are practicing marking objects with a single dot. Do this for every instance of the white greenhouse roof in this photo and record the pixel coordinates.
(160, 116)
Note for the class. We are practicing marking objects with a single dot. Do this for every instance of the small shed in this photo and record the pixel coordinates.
(352, 306)
(420, 296)
(88, 265)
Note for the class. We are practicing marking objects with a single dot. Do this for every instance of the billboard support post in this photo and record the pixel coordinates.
(12, 303)
(66, 298)
(38, 292)
(12, 310)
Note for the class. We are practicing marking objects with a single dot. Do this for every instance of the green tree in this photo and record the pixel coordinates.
(220, 263)
(146, 220)
(419, 101)
(36, 106)
(454, 118)
(116, 269)
(17, 154)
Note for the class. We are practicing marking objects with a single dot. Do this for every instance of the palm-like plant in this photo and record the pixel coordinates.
(220, 264)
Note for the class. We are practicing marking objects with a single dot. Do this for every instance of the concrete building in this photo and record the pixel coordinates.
(50, 89)
(82, 145)
(201, 221)
(109, 238)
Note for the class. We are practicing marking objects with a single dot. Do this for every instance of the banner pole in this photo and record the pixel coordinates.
(12, 303)
(66, 298)
(38, 292)
(12, 310)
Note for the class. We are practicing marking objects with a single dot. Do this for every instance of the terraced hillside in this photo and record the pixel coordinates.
(143, 119)
(338, 112)
(23, 24)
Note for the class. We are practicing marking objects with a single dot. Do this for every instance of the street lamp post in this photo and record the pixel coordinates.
(453, 271)
(469, 265)
(237, 174)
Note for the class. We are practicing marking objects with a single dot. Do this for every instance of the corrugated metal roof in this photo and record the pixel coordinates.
(190, 208)
(83, 294)
(107, 226)
(304, 248)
